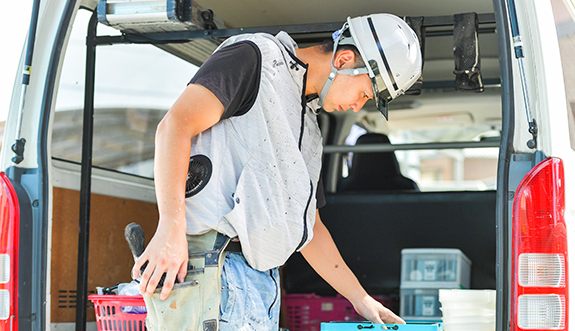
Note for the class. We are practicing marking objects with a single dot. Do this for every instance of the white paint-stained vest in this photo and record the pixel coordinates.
(265, 164)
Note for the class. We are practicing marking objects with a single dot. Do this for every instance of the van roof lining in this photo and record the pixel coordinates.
(195, 46)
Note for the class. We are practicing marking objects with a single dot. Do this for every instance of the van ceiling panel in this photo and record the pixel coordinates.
(432, 121)
(248, 13)
(195, 52)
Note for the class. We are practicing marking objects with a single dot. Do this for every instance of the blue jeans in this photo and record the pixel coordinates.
(250, 299)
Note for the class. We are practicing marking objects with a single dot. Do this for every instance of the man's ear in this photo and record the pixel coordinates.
(344, 59)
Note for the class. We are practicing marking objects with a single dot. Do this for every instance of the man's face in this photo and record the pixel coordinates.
(348, 92)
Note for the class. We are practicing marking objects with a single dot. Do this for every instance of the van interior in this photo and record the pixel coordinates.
(425, 178)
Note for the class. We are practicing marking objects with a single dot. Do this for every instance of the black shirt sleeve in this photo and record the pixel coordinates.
(320, 195)
(232, 74)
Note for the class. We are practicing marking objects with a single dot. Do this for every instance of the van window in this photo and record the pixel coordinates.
(135, 86)
(463, 169)
(469, 169)
(564, 14)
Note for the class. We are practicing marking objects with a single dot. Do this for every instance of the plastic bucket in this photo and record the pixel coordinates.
(463, 312)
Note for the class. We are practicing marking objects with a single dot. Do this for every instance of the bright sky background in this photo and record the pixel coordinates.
(15, 28)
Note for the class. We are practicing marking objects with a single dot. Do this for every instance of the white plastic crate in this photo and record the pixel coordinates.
(419, 305)
(434, 268)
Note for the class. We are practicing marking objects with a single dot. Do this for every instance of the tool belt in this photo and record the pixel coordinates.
(193, 304)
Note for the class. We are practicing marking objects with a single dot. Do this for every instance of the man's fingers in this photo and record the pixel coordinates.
(145, 278)
(183, 272)
(379, 321)
(393, 319)
(137, 266)
(153, 282)
(389, 318)
(135, 272)
(168, 284)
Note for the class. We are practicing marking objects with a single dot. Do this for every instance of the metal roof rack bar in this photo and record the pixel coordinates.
(371, 148)
(447, 20)
(298, 29)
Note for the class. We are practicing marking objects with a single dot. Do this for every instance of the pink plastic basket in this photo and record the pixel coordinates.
(305, 312)
(109, 314)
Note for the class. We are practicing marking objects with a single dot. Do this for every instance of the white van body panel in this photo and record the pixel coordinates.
(50, 16)
(48, 23)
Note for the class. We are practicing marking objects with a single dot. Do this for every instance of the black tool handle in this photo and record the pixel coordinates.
(136, 240)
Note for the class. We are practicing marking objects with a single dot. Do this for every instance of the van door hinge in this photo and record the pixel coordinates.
(208, 18)
(18, 149)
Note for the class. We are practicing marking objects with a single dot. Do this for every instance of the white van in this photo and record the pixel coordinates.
(463, 164)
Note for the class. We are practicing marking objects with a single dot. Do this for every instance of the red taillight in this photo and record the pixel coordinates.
(9, 234)
(539, 254)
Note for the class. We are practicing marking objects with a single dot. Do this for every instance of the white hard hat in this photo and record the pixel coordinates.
(390, 50)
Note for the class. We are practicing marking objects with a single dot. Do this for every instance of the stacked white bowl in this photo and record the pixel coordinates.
(468, 310)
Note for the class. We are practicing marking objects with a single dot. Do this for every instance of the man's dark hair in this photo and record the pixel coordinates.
(327, 47)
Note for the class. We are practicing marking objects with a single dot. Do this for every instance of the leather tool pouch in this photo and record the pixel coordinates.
(193, 304)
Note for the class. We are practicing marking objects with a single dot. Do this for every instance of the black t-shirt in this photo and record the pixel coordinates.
(232, 74)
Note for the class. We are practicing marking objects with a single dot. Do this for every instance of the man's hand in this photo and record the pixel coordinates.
(167, 253)
(375, 312)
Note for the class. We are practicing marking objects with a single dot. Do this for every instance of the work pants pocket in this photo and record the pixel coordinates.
(194, 304)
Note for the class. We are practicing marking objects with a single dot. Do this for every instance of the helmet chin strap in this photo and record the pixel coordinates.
(334, 72)
(327, 84)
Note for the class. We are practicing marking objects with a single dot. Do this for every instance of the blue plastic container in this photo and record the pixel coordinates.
(354, 326)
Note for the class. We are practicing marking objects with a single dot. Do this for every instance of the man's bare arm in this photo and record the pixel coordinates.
(196, 110)
(324, 257)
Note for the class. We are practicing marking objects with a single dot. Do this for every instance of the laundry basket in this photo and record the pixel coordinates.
(111, 312)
